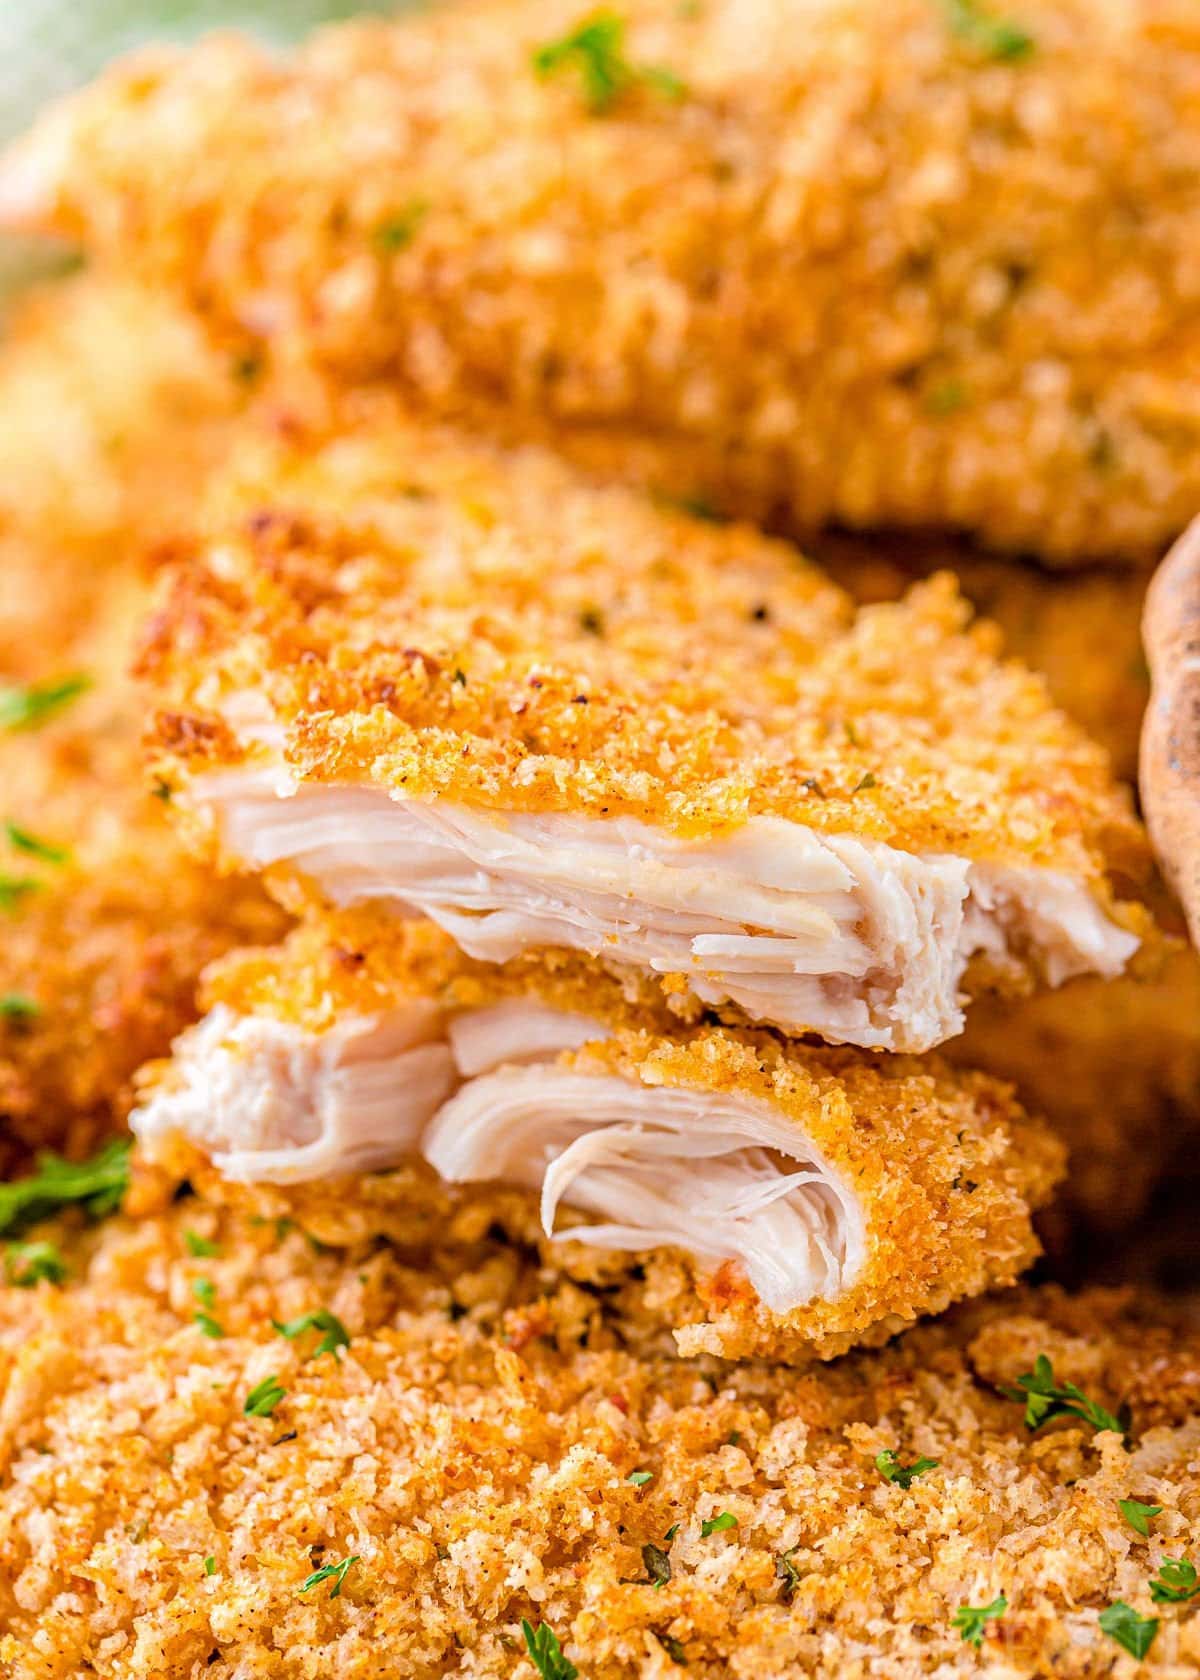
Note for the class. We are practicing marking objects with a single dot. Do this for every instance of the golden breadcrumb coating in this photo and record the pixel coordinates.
(918, 264)
(946, 1167)
(1081, 629)
(113, 411)
(495, 1444)
(424, 613)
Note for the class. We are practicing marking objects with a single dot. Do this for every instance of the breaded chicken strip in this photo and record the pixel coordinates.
(925, 263)
(190, 1491)
(816, 1198)
(114, 411)
(414, 670)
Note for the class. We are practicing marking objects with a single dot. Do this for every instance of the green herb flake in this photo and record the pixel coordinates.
(596, 49)
(208, 1326)
(21, 840)
(671, 1533)
(1138, 1515)
(264, 1397)
(26, 707)
(786, 1571)
(15, 889)
(903, 1475)
(996, 37)
(947, 397)
(1133, 1633)
(639, 1478)
(970, 1622)
(19, 1009)
(199, 1247)
(335, 1336)
(1175, 1582)
(717, 1525)
(1045, 1399)
(545, 1652)
(97, 1186)
(658, 1564)
(210, 1565)
(867, 781)
(335, 1572)
(671, 1646)
(26, 1264)
(401, 229)
(202, 1289)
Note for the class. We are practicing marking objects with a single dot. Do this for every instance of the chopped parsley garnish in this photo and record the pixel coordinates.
(400, 230)
(1138, 1515)
(904, 1475)
(97, 1186)
(658, 1563)
(997, 37)
(199, 1247)
(204, 1292)
(15, 1006)
(545, 1652)
(867, 781)
(671, 1646)
(1045, 1399)
(717, 1525)
(210, 1565)
(208, 1325)
(335, 1337)
(970, 1622)
(25, 707)
(786, 1571)
(671, 1533)
(1175, 1582)
(263, 1398)
(21, 840)
(1132, 1632)
(15, 888)
(28, 1263)
(335, 1572)
(596, 48)
(639, 1478)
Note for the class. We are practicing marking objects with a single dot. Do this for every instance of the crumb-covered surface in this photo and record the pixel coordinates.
(915, 263)
(443, 618)
(946, 1166)
(494, 1444)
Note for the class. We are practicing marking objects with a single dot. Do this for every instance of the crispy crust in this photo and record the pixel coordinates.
(386, 592)
(863, 267)
(947, 1166)
(473, 1448)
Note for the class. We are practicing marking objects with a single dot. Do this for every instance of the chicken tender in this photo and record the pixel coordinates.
(229, 1452)
(419, 671)
(919, 264)
(113, 413)
(808, 1199)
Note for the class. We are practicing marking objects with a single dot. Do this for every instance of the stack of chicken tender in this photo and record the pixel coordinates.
(636, 869)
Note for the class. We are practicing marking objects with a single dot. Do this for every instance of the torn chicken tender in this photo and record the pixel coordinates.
(811, 260)
(811, 1198)
(467, 683)
(497, 1444)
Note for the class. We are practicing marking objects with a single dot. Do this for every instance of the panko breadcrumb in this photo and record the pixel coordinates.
(495, 1445)
(922, 263)
(944, 1167)
(114, 411)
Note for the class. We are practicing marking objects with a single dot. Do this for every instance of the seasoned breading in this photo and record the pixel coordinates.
(1081, 629)
(806, 1198)
(494, 1445)
(113, 412)
(409, 667)
(921, 264)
